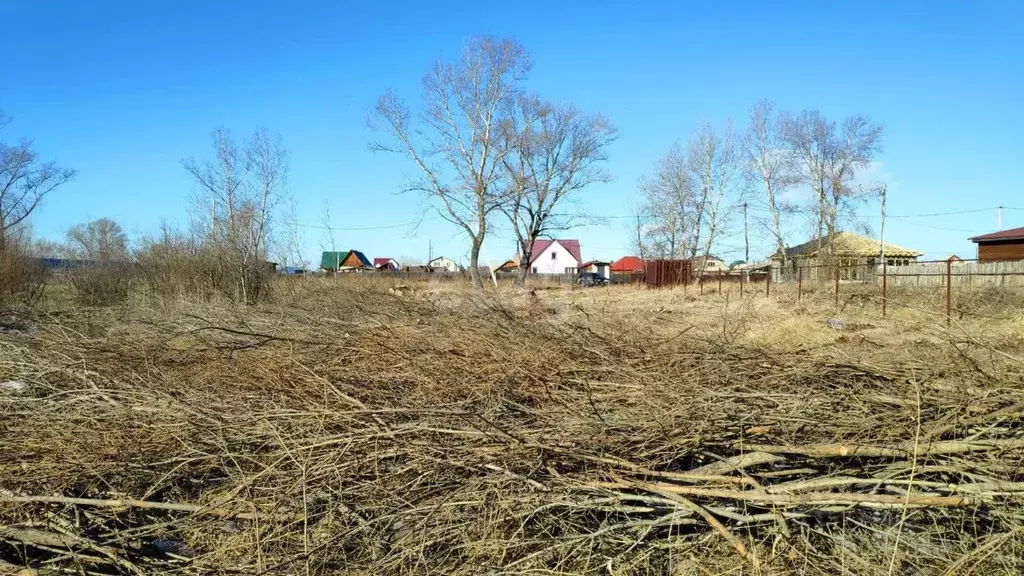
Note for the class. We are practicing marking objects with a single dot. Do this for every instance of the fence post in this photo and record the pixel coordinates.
(719, 281)
(949, 292)
(799, 283)
(743, 276)
(837, 284)
(885, 295)
(768, 285)
(700, 281)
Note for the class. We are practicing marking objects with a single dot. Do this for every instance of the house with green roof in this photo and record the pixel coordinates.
(350, 261)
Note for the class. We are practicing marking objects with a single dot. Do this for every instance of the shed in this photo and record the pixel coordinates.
(597, 266)
(1000, 246)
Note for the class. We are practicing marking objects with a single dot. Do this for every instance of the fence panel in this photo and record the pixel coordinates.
(662, 273)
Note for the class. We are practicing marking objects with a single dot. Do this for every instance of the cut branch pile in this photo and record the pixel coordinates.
(461, 434)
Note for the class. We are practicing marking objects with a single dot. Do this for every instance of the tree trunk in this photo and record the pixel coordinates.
(474, 262)
(521, 273)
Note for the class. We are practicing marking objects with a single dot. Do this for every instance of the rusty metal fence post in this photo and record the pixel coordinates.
(719, 281)
(799, 283)
(743, 276)
(885, 294)
(768, 285)
(949, 292)
(837, 284)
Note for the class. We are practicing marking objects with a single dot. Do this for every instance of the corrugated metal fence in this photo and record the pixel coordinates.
(661, 273)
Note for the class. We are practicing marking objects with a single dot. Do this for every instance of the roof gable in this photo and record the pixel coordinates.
(331, 260)
(542, 244)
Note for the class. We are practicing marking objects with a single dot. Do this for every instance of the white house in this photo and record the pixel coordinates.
(555, 257)
(444, 264)
(713, 265)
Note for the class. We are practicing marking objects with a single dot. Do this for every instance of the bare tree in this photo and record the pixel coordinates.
(24, 181)
(102, 240)
(553, 152)
(771, 162)
(828, 159)
(669, 207)
(456, 142)
(238, 192)
(716, 170)
(290, 244)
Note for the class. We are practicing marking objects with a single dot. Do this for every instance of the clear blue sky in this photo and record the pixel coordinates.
(121, 91)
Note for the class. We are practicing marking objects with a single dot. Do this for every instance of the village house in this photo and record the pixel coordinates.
(351, 261)
(1000, 246)
(855, 255)
(386, 264)
(555, 256)
(712, 265)
(627, 265)
(444, 264)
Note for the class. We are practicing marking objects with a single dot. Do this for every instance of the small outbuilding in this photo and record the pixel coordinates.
(597, 267)
(1000, 246)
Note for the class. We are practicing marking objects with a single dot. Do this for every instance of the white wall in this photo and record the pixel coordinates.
(543, 263)
(603, 269)
(442, 263)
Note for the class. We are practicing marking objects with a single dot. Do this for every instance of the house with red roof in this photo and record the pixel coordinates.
(628, 265)
(386, 264)
(555, 256)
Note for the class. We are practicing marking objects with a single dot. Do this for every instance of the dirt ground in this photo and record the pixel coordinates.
(359, 426)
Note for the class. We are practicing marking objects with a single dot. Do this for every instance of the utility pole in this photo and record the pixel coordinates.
(881, 240)
(881, 253)
(746, 237)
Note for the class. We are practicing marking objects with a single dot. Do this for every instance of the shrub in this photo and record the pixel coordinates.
(179, 265)
(22, 277)
(104, 284)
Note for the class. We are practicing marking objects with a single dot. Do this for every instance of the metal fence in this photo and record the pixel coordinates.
(878, 281)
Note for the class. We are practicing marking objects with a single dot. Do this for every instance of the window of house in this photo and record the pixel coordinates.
(570, 270)
(534, 269)
(554, 255)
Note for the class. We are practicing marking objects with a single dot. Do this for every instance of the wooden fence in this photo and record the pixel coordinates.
(960, 274)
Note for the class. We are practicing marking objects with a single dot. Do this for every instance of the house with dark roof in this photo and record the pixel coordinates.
(350, 261)
(1000, 246)
(555, 256)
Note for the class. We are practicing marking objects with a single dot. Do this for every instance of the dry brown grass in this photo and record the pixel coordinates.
(348, 430)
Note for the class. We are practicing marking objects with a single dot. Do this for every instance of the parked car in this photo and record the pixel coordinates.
(591, 279)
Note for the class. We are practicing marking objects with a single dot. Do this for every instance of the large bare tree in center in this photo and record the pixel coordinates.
(238, 192)
(456, 140)
(552, 153)
(828, 159)
(771, 161)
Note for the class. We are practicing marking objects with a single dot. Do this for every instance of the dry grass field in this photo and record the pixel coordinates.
(351, 429)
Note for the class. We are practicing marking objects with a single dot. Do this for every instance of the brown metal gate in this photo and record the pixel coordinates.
(668, 272)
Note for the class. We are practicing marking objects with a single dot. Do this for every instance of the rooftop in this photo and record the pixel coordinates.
(850, 244)
(1011, 234)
